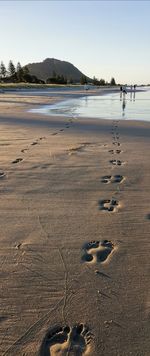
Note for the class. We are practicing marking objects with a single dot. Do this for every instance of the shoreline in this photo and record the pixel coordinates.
(74, 227)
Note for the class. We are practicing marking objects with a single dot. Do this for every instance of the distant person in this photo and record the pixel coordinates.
(134, 87)
(86, 87)
(120, 92)
(131, 91)
(124, 89)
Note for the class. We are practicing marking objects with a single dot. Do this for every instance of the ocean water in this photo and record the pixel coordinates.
(134, 106)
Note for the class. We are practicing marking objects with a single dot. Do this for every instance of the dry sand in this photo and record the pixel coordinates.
(74, 234)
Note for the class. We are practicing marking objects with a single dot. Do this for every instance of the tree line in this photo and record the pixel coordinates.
(21, 74)
(17, 74)
(97, 82)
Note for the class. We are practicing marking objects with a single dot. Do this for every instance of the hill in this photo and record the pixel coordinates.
(47, 68)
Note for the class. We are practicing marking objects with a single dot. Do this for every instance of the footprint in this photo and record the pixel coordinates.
(65, 341)
(97, 251)
(61, 130)
(106, 179)
(116, 143)
(115, 137)
(108, 204)
(34, 143)
(55, 133)
(111, 151)
(115, 151)
(118, 178)
(112, 179)
(116, 162)
(2, 174)
(17, 160)
(24, 150)
(76, 149)
(18, 246)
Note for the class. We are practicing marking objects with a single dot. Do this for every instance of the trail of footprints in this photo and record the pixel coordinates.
(24, 150)
(76, 340)
(112, 205)
(67, 126)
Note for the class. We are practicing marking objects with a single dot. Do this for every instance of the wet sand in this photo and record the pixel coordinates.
(74, 233)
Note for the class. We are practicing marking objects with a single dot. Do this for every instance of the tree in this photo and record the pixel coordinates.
(112, 82)
(58, 79)
(2, 70)
(20, 72)
(95, 81)
(83, 80)
(11, 68)
(26, 70)
(102, 82)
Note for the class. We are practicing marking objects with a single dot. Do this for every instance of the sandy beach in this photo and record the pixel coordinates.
(74, 233)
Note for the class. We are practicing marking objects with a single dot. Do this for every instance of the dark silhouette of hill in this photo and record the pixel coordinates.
(51, 66)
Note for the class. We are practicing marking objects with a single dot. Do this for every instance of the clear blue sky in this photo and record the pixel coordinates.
(101, 38)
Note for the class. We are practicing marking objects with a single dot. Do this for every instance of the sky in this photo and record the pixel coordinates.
(104, 39)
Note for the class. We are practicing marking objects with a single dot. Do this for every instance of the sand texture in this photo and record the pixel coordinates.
(74, 233)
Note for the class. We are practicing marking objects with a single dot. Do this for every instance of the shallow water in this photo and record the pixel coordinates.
(134, 106)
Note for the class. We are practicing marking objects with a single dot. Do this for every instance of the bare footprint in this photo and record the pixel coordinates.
(115, 151)
(108, 204)
(65, 341)
(116, 162)
(75, 149)
(116, 143)
(115, 137)
(24, 150)
(2, 175)
(117, 178)
(106, 179)
(112, 179)
(97, 251)
(34, 143)
(17, 160)
(118, 151)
